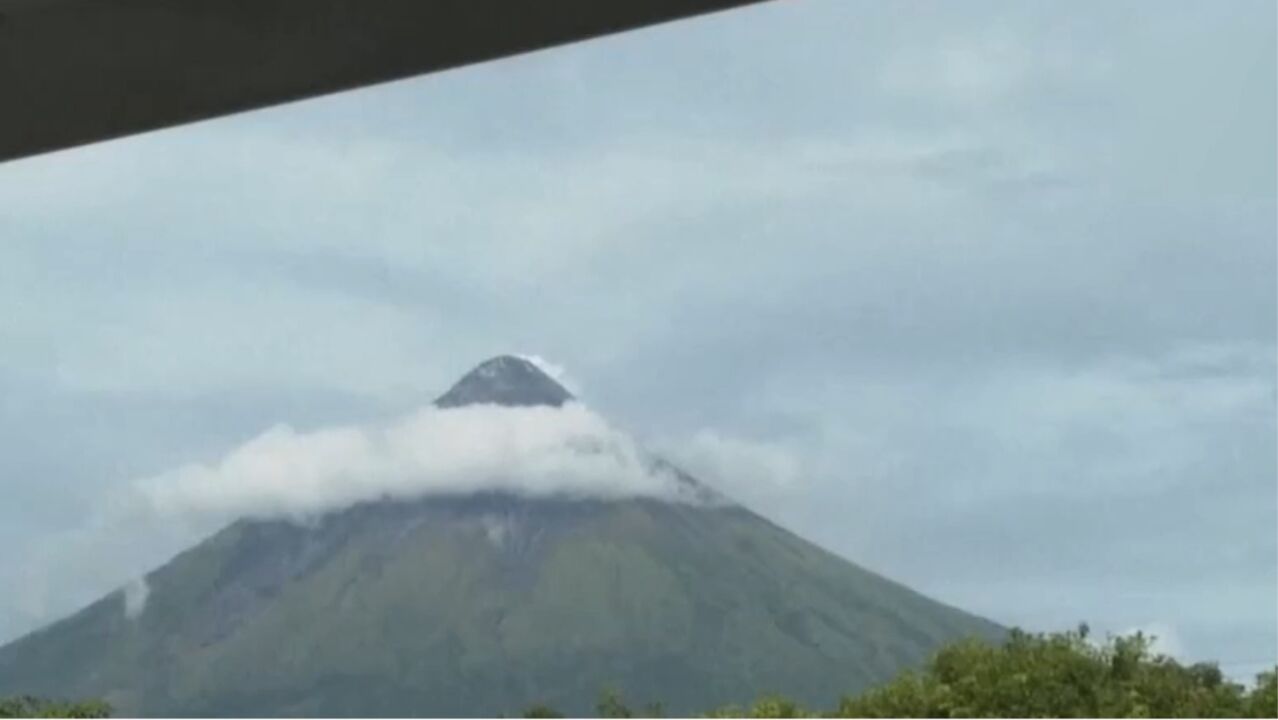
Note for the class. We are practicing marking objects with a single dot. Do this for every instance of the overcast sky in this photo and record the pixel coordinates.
(981, 296)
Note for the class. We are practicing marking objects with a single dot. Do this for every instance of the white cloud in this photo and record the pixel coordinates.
(982, 65)
(979, 68)
(497, 529)
(135, 595)
(65, 570)
(1165, 640)
(555, 371)
(753, 472)
(528, 450)
(568, 451)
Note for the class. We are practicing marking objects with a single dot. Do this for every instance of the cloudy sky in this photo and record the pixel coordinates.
(981, 296)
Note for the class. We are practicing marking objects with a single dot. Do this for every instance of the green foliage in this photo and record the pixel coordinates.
(1030, 675)
(769, 706)
(33, 707)
(654, 710)
(1049, 675)
(1061, 675)
(610, 705)
(774, 706)
(1262, 702)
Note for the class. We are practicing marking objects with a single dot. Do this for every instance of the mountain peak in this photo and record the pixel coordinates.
(505, 380)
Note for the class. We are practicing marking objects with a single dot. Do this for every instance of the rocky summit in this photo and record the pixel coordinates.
(505, 380)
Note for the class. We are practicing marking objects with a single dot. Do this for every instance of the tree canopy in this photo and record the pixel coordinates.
(1029, 675)
(1065, 674)
(33, 707)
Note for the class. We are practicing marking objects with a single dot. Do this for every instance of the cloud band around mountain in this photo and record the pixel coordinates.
(538, 451)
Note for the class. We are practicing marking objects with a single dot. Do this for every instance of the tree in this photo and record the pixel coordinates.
(654, 710)
(610, 705)
(1262, 702)
(27, 706)
(1061, 675)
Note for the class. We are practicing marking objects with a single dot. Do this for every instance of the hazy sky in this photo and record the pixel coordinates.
(981, 296)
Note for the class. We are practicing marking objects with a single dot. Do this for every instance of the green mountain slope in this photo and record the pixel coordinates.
(484, 604)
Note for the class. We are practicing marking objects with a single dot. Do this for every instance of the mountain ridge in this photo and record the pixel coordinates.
(506, 380)
(482, 603)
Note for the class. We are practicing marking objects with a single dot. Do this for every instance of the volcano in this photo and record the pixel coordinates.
(484, 603)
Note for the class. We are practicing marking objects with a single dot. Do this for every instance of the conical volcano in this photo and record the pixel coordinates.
(505, 380)
(483, 603)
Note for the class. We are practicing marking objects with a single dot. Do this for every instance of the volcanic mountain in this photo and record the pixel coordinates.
(484, 603)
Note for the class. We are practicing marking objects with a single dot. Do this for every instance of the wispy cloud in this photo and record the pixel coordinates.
(557, 372)
(568, 451)
(752, 471)
(1164, 639)
(527, 450)
(135, 595)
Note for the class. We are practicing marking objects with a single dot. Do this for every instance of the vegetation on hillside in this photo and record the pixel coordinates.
(486, 604)
(32, 707)
(1063, 675)
(1030, 675)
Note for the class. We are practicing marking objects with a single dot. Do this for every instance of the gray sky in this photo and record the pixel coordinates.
(981, 296)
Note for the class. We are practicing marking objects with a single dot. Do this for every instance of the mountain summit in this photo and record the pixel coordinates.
(505, 380)
(484, 603)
